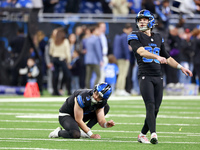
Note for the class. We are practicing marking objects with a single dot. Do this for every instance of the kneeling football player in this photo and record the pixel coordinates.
(82, 106)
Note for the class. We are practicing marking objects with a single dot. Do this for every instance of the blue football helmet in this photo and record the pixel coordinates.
(104, 90)
(146, 14)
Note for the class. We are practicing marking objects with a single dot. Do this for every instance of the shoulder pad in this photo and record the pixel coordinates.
(132, 36)
(80, 101)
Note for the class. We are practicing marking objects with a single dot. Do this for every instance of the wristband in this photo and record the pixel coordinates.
(179, 66)
(105, 125)
(89, 133)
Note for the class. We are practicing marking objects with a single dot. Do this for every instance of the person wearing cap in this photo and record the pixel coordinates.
(84, 105)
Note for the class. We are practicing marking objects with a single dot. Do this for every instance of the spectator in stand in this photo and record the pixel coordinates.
(61, 58)
(60, 6)
(16, 45)
(49, 5)
(186, 55)
(72, 43)
(49, 64)
(163, 11)
(104, 45)
(72, 6)
(24, 4)
(79, 35)
(135, 6)
(185, 7)
(105, 6)
(93, 56)
(196, 59)
(149, 5)
(119, 7)
(174, 44)
(74, 67)
(8, 3)
(82, 57)
(122, 53)
(42, 42)
(111, 71)
(31, 70)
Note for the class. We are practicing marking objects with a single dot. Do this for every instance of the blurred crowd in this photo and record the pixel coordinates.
(86, 56)
(107, 6)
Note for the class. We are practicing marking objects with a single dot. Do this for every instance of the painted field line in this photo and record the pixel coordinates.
(181, 137)
(41, 115)
(161, 112)
(29, 148)
(162, 107)
(92, 140)
(112, 111)
(159, 124)
(112, 98)
(107, 116)
(110, 131)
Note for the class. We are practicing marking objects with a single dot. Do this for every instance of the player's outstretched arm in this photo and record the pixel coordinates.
(110, 123)
(186, 71)
(101, 119)
(173, 63)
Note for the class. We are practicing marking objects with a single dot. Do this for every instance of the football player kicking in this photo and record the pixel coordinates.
(150, 53)
(82, 106)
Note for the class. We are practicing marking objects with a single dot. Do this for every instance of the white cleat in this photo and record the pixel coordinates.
(83, 134)
(143, 139)
(54, 134)
(154, 138)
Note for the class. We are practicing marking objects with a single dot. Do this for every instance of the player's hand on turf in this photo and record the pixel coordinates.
(110, 123)
(95, 136)
(162, 60)
(186, 71)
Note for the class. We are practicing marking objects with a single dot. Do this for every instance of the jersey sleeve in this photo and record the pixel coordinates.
(80, 101)
(163, 52)
(133, 41)
(132, 36)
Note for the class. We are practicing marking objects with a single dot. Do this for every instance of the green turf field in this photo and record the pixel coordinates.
(26, 123)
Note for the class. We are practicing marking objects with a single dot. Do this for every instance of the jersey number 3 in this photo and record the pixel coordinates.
(155, 51)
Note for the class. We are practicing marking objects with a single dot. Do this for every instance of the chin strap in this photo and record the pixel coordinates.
(93, 100)
(143, 29)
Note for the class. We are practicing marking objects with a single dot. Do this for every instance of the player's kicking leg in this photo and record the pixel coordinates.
(143, 139)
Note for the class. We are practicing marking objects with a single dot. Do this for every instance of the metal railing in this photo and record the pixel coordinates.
(23, 16)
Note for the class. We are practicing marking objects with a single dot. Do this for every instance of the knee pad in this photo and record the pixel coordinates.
(150, 107)
(75, 134)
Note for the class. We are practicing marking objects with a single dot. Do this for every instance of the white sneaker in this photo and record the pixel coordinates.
(124, 93)
(83, 134)
(143, 139)
(154, 138)
(54, 134)
(121, 93)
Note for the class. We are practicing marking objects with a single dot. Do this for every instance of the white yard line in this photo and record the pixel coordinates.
(159, 124)
(107, 131)
(20, 148)
(91, 140)
(113, 98)
(39, 115)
